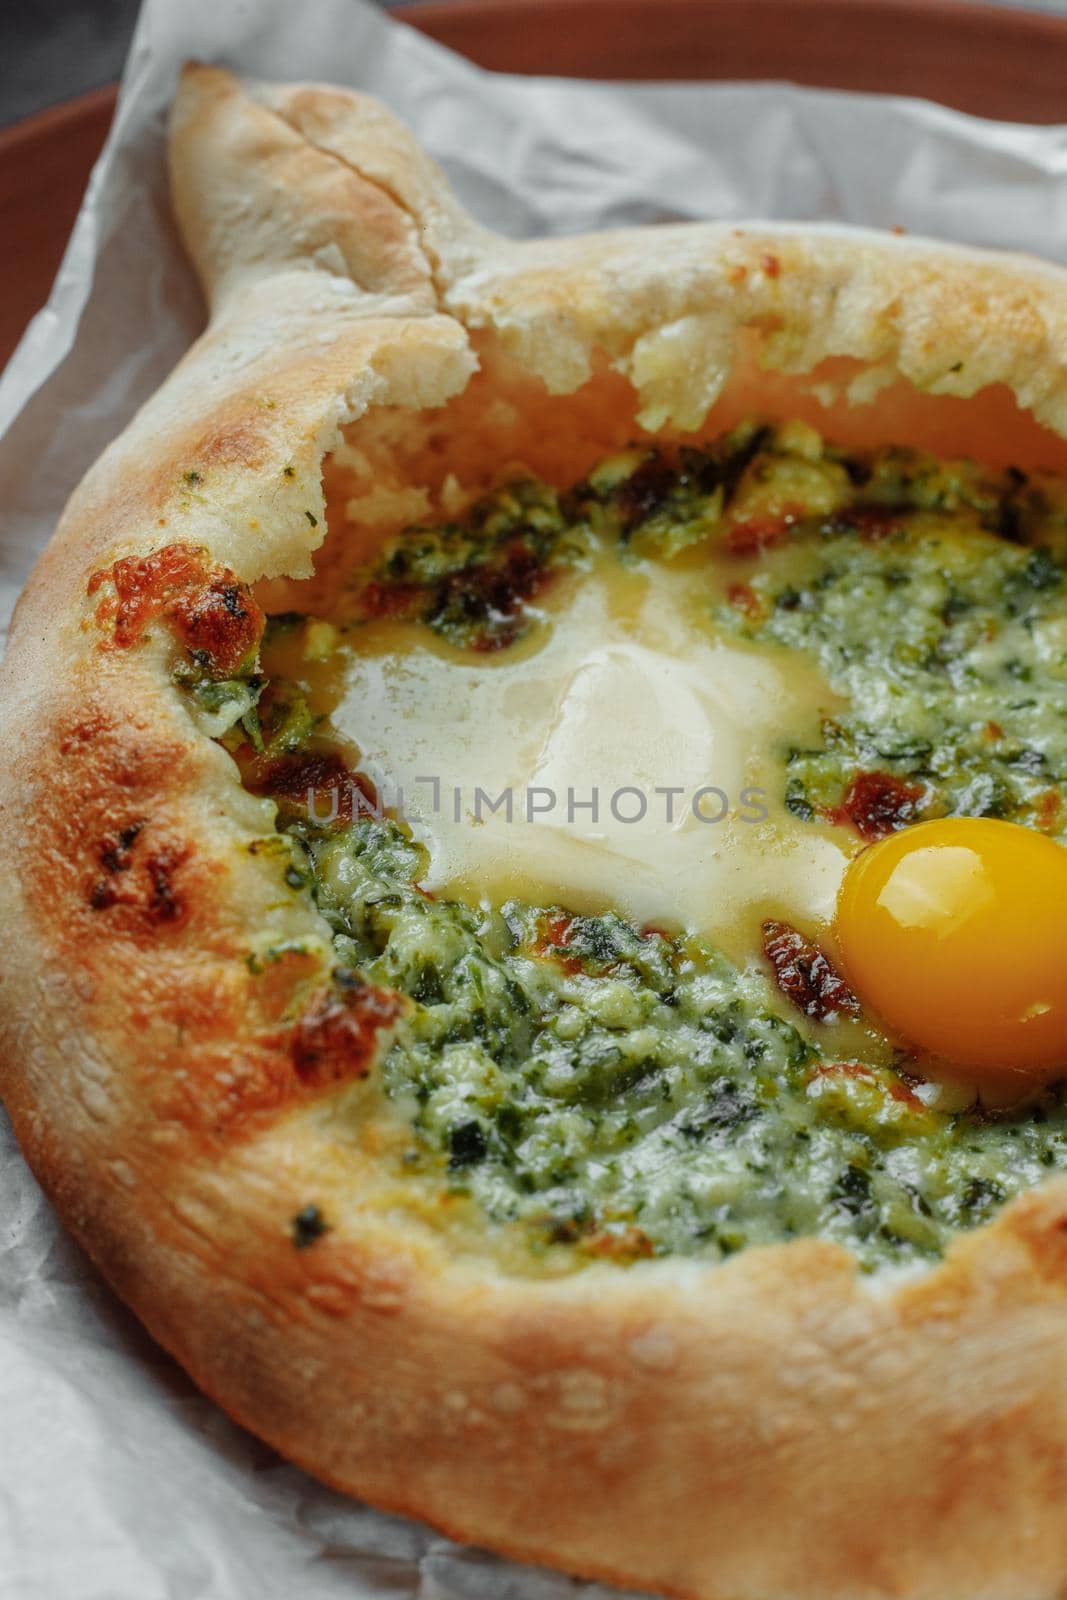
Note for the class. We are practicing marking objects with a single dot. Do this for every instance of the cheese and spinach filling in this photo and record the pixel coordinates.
(626, 1076)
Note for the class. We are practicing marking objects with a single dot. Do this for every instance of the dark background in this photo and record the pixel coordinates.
(52, 49)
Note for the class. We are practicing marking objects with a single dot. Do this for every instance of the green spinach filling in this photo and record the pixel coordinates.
(628, 1092)
(949, 648)
(636, 1093)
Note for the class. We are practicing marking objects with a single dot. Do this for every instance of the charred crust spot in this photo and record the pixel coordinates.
(116, 849)
(486, 599)
(500, 598)
(208, 608)
(164, 902)
(292, 775)
(115, 855)
(336, 1038)
(279, 1063)
(158, 900)
(308, 1225)
(878, 804)
(144, 587)
(318, 780)
(219, 620)
(646, 490)
(102, 895)
(805, 975)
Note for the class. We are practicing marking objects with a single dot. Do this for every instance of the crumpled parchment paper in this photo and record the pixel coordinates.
(118, 1481)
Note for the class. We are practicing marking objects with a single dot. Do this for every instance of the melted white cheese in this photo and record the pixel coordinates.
(627, 694)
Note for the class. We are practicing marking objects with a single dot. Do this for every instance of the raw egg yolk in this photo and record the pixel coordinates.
(954, 934)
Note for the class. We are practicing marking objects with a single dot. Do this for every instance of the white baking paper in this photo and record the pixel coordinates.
(117, 1480)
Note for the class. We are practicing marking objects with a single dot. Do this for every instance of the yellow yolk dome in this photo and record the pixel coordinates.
(953, 934)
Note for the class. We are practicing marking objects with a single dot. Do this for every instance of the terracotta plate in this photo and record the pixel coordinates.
(997, 62)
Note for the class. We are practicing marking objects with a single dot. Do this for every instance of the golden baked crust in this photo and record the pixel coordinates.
(777, 1426)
